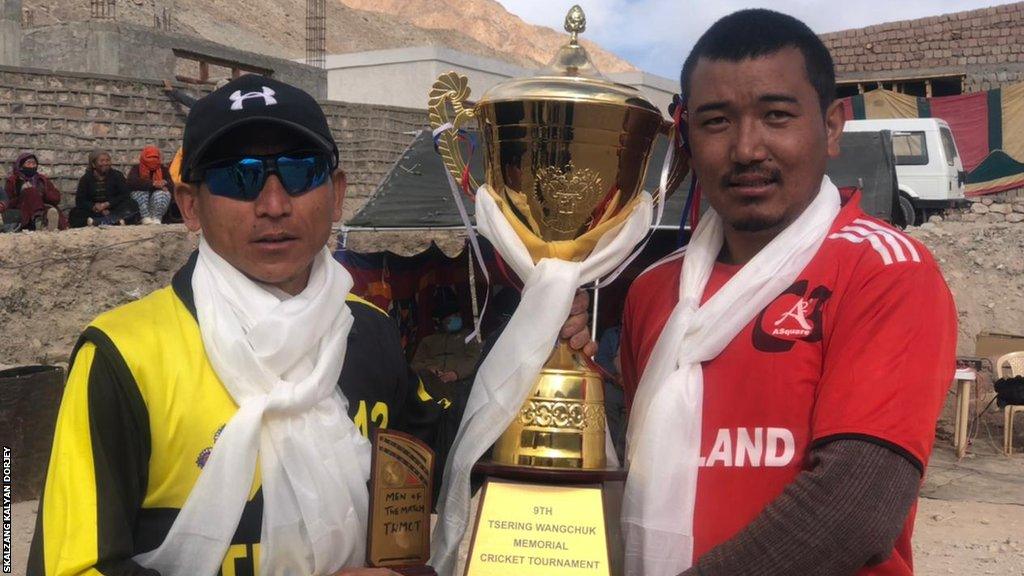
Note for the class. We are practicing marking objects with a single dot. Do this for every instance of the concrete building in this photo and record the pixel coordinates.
(10, 32)
(935, 56)
(403, 77)
(112, 47)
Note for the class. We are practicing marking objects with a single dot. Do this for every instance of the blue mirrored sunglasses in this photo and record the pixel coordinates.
(243, 178)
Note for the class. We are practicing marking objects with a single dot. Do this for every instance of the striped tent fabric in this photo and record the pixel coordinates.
(988, 128)
(998, 172)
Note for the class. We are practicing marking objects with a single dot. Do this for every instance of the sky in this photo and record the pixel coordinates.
(656, 35)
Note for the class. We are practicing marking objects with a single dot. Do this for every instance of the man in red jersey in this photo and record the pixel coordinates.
(786, 370)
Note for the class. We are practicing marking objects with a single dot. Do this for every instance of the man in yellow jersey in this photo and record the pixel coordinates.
(219, 424)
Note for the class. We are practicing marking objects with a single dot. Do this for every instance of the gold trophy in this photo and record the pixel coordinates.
(566, 155)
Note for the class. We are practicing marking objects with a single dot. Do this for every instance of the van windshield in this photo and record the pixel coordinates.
(948, 145)
(910, 148)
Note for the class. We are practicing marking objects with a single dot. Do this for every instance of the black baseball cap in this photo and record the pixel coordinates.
(252, 99)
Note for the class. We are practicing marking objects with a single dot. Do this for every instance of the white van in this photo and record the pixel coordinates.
(928, 168)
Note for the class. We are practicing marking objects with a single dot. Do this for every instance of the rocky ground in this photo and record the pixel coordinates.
(971, 515)
(983, 266)
(53, 284)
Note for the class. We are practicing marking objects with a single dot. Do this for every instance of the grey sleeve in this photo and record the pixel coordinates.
(844, 513)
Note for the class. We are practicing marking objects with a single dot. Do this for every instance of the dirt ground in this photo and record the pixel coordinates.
(970, 518)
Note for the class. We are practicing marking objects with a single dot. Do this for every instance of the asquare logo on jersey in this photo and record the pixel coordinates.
(751, 448)
(797, 314)
(793, 315)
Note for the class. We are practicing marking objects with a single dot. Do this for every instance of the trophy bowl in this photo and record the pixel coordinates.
(565, 166)
(566, 153)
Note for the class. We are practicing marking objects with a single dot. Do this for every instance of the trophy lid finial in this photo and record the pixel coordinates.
(575, 23)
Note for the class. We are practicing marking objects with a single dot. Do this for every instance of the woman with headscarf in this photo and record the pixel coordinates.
(151, 185)
(33, 195)
(102, 197)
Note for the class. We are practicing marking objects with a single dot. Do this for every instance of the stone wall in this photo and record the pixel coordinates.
(371, 139)
(995, 209)
(985, 45)
(62, 116)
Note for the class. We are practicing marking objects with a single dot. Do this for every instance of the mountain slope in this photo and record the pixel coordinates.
(278, 27)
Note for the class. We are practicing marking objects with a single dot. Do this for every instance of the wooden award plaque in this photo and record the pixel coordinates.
(401, 486)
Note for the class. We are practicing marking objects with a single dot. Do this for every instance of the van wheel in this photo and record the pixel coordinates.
(909, 214)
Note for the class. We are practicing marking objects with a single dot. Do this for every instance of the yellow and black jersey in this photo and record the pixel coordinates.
(140, 415)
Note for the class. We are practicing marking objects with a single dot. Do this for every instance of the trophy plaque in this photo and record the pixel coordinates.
(401, 484)
(566, 155)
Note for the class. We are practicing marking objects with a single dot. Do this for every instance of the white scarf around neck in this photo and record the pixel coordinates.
(280, 360)
(664, 434)
(510, 369)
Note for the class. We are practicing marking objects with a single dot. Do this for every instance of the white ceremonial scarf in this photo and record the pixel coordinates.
(510, 369)
(280, 360)
(664, 434)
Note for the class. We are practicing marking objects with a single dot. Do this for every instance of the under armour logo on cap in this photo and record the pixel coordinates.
(237, 97)
(225, 110)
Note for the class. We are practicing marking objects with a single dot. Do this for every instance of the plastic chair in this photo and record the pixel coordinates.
(1015, 362)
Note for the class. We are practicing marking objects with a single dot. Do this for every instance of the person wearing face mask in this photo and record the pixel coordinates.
(32, 195)
(102, 197)
(445, 354)
(151, 184)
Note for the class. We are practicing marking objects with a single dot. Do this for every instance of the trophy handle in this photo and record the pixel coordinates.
(451, 88)
(680, 159)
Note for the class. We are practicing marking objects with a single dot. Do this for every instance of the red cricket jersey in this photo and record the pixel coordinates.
(862, 345)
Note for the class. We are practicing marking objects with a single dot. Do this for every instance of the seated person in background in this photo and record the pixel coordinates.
(151, 185)
(33, 195)
(102, 197)
(445, 353)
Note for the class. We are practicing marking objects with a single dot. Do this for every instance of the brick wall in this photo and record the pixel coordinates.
(62, 116)
(371, 139)
(987, 45)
